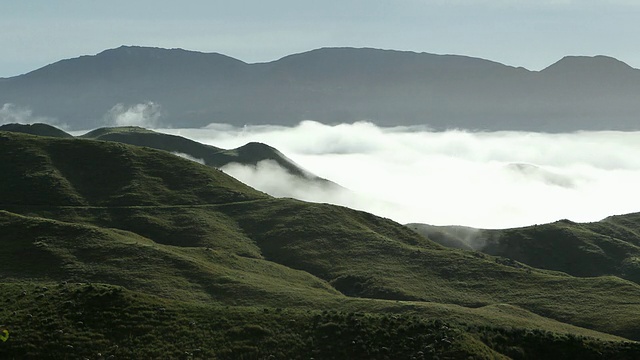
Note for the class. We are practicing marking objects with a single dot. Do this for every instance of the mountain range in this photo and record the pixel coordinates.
(111, 249)
(332, 85)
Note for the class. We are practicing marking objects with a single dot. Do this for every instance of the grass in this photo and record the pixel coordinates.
(602, 248)
(149, 230)
(75, 320)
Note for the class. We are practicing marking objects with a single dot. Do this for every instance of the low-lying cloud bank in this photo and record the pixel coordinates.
(479, 179)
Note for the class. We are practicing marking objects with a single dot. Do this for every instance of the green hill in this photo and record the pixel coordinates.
(240, 274)
(607, 247)
(36, 129)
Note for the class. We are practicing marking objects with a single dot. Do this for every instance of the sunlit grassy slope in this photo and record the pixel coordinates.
(238, 272)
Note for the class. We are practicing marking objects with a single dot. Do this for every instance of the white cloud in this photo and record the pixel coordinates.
(479, 179)
(188, 157)
(11, 113)
(144, 114)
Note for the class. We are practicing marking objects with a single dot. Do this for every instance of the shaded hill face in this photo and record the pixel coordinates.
(607, 247)
(335, 85)
(163, 226)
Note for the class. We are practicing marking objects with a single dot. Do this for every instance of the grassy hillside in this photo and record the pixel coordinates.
(150, 230)
(76, 320)
(37, 171)
(607, 247)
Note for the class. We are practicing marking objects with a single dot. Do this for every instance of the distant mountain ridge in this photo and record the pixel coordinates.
(333, 85)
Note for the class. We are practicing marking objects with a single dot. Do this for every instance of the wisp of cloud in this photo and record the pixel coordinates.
(144, 114)
(478, 179)
(188, 157)
(12, 113)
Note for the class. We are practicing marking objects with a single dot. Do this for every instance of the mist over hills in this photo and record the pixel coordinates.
(101, 235)
(333, 85)
(250, 154)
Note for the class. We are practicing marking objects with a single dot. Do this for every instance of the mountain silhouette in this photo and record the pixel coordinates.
(332, 85)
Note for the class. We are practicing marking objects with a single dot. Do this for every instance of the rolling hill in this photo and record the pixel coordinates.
(333, 85)
(607, 247)
(101, 236)
(36, 129)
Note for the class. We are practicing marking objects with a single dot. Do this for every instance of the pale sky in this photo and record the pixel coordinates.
(528, 33)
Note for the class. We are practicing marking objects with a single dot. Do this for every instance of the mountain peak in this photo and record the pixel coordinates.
(592, 64)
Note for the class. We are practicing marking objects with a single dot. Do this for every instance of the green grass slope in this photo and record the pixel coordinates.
(80, 320)
(49, 250)
(607, 247)
(37, 171)
(167, 230)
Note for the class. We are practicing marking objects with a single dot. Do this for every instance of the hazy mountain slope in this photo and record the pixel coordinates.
(334, 85)
(262, 251)
(36, 129)
(457, 237)
(249, 154)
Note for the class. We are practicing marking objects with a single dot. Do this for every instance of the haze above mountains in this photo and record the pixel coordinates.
(332, 85)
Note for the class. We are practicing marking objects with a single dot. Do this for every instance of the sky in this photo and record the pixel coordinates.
(527, 33)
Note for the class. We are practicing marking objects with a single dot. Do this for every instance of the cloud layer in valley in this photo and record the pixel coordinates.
(487, 180)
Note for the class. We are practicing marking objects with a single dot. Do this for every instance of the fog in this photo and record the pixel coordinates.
(478, 179)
